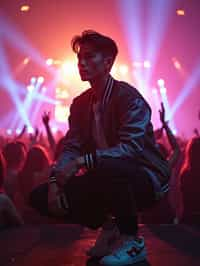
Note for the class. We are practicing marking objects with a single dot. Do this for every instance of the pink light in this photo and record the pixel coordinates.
(161, 82)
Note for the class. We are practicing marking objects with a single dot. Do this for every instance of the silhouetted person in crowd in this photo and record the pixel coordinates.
(14, 153)
(34, 172)
(9, 216)
(165, 210)
(190, 182)
(110, 167)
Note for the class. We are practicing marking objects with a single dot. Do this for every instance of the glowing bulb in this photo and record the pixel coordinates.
(30, 88)
(25, 8)
(180, 12)
(30, 130)
(137, 64)
(49, 61)
(147, 64)
(9, 131)
(40, 79)
(18, 131)
(26, 61)
(161, 82)
(33, 80)
(163, 90)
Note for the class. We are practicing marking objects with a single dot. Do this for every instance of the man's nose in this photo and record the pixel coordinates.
(82, 62)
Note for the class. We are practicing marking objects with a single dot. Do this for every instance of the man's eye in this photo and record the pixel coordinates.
(89, 56)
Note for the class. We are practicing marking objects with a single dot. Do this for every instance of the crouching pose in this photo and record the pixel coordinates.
(110, 168)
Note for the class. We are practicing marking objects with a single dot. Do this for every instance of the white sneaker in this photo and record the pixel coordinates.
(104, 242)
(130, 252)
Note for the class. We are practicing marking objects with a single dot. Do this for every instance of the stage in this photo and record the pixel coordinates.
(65, 245)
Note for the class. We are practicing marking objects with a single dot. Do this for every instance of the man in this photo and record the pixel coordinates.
(110, 167)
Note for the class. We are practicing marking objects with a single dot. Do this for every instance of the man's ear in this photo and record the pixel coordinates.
(108, 62)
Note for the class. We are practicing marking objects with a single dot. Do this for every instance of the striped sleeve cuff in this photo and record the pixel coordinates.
(90, 160)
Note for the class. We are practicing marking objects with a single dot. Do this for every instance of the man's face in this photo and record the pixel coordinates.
(92, 64)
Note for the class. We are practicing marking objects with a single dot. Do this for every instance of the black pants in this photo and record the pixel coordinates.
(117, 187)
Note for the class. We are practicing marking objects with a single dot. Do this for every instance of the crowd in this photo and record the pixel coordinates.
(26, 160)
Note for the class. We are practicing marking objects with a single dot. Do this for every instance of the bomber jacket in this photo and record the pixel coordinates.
(126, 121)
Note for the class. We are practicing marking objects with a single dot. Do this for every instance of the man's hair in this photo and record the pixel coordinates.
(100, 42)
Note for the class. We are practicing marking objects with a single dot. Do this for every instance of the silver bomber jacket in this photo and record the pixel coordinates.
(126, 119)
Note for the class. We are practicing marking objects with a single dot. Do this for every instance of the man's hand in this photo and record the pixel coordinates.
(70, 170)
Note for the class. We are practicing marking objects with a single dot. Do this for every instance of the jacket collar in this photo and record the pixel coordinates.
(107, 91)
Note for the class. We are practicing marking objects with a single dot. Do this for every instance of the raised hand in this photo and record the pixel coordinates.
(162, 113)
(46, 117)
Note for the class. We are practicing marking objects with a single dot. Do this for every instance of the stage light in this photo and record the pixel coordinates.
(137, 64)
(68, 68)
(49, 61)
(163, 90)
(61, 112)
(161, 82)
(40, 79)
(25, 8)
(54, 129)
(174, 131)
(33, 80)
(123, 69)
(30, 88)
(147, 64)
(180, 12)
(57, 62)
(26, 60)
(176, 63)
(18, 131)
(30, 130)
(61, 93)
(9, 131)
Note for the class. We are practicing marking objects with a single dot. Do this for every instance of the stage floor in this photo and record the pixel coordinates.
(65, 245)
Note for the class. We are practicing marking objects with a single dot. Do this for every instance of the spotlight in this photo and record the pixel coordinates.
(33, 80)
(54, 129)
(137, 64)
(18, 131)
(30, 130)
(49, 61)
(25, 8)
(40, 79)
(26, 60)
(180, 12)
(9, 131)
(161, 82)
(174, 131)
(147, 64)
(176, 63)
(163, 90)
(30, 88)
